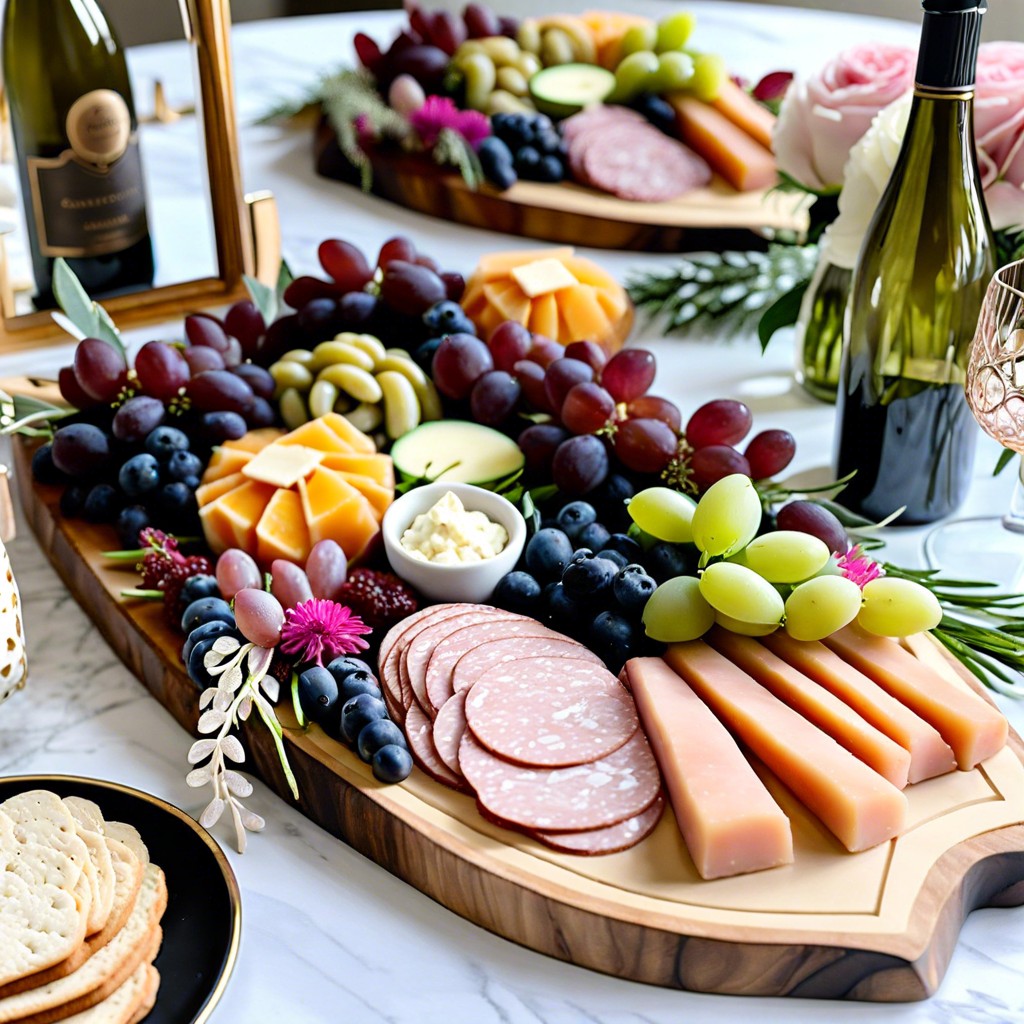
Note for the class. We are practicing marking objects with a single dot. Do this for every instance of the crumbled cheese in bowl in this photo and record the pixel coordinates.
(450, 534)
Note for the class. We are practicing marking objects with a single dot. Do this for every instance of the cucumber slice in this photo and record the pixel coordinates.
(566, 89)
(480, 455)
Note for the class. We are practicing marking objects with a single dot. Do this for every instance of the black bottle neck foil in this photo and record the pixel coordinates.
(948, 57)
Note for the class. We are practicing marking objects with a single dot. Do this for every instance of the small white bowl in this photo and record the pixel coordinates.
(472, 582)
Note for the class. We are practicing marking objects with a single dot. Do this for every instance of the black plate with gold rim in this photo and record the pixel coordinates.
(202, 923)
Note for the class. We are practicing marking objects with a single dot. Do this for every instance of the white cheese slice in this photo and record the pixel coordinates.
(283, 465)
(543, 276)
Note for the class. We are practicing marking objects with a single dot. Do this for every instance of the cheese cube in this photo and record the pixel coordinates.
(543, 276)
(283, 465)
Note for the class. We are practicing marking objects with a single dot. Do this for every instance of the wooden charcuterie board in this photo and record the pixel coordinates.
(716, 217)
(879, 925)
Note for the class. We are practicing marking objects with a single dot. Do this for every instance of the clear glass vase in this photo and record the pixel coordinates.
(819, 330)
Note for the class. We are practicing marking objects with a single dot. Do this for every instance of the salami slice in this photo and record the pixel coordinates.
(552, 713)
(475, 664)
(395, 633)
(588, 796)
(641, 164)
(419, 733)
(601, 117)
(449, 725)
(447, 652)
(391, 690)
(611, 838)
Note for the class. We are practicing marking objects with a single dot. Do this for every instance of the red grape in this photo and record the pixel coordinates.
(629, 374)
(282, 335)
(367, 51)
(136, 418)
(454, 285)
(218, 427)
(427, 261)
(561, 375)
(446, 31)
(458, 362)
(418, 20)
(410, 289)
(653, 408)
(219, 391)
(161, 369)
(531, 376)
(320, 319)
(538, 443)
(645, 446)
(326, 569)
(200, 358)
(345, 263)
(261, 414)
(356, 310)
(73, 392)
(99, 369)
(770, 452)
(588, 352)
(397, 248)
(580, 464)
(509, 342)
(257, 378)
(480, 21)
(587, 407)
(545, 351)
(710, 463)
(305, 289)
(494, 398)
(80, 449)
(723, 421)
(201, 329)
(809, 517)
(245, 322)
(508, 25)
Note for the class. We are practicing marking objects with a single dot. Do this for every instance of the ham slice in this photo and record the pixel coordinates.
(816, 704)
(973, 728)
(729, 820)
(853, 801)
(930, 754)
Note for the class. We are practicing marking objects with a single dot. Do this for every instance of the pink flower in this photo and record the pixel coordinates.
(317, 627)
(858, 567)
(822, 117)
(999, 130)
(439, 112)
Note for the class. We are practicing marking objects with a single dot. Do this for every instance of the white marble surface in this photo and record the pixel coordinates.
(327, 935)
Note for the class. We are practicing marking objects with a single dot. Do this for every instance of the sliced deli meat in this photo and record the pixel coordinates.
(729, 820)
(587, 796)
(853, 801)
(610, 839)
(551, 712)
(478, 663)
(930, 754)
(449, 726)
(972, 727)
(642, 165)
(420, 734)
(816, 704)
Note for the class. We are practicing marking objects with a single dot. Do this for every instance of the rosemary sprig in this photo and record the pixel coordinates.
(452, 150)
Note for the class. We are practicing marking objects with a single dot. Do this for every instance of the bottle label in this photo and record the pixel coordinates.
(90, 200)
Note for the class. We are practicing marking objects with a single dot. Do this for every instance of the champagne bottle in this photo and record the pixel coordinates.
(75, 136)
(917, 290)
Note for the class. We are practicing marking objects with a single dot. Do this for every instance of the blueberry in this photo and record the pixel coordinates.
(200, 585)
(575, 517)
(183, 466)
(496, 162)
(611, 498)
(614, 639)
(377, 734)
(549, 169)
(564, 612)
(359, 682)
(513, 129)
(163, 442)
(527, 161)
(139, 475)
(517, 592)
(72, 503)
(658, 111)
(614, 556)
(102, 504)
(206, 609)
(192, 482)
(357, 712)
(176, 499)
(207, 631)
(632, 588)
(43, 469)
(581, 555)
(548, 553)
(319, 698)
(593, 536)
(625, 545)
(547, 141)
(666, 560)
(391, 763)
(589, 578)
(131, 521)
(344, 665)
(445, 317)
(424, 354)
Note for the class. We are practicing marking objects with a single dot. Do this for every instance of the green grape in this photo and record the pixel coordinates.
(727, 517)
(639, 37)
(674, 31)
(675, 70)
(709, 75)
(738, 592)
(663, 513)
(894, 607)
(677, 611)
(745, 628)
(819, 607)
(786, 556)
(633, 76)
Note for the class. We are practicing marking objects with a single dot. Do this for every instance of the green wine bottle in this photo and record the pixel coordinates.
(903, 422)
(75, 136)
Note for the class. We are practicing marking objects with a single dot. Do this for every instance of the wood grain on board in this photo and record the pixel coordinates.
(879, 925)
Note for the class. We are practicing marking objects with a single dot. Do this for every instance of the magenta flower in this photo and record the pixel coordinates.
(439, 112)
(316, 627)
(858, 567)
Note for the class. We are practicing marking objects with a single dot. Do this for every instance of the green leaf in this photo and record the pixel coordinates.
(1005, 457)
(787, 183)
(87, 316)
(263, 296)
(781, 313)
(20, 413)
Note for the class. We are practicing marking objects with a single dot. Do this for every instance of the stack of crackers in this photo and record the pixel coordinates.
(80, 910)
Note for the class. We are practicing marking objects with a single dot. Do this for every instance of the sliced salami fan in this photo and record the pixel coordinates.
(588, 796)
(475, 664)
(395, 633)
(419, 733)
(391, 690)
(449, 725)
(551, 712)
(641, 164)
(611, 839)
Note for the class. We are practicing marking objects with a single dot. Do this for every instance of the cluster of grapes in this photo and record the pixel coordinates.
(424, 47)
(523, 146)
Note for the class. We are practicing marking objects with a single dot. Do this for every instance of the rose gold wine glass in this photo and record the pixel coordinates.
(992, 547)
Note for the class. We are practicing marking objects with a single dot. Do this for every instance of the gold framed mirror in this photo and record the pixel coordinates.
(239, 233)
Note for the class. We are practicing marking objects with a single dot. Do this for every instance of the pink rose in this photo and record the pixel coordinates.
(823, 117)
(999, 131)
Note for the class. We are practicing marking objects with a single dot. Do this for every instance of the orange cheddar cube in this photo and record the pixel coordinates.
(281, 531)
(226, 462)
(205, 493)
(378, 467)
(242, 508)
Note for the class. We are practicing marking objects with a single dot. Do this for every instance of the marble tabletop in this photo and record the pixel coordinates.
(328, 935)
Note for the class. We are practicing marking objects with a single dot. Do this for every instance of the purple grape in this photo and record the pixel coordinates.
(580, 464)
(80, 449)
(218, 427)
(808, 517)
(136, 418)
(236, 570)
(259, 617)
(219, 391)
(257, 378)
(289, 583)
(326, 569)
(245, 322)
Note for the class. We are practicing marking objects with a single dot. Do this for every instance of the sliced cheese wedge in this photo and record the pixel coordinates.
(854, 802)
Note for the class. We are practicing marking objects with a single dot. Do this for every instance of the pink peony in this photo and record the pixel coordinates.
(316, 627)
(821, 118)
(440, 112)
(858, 567)
(999, 130)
